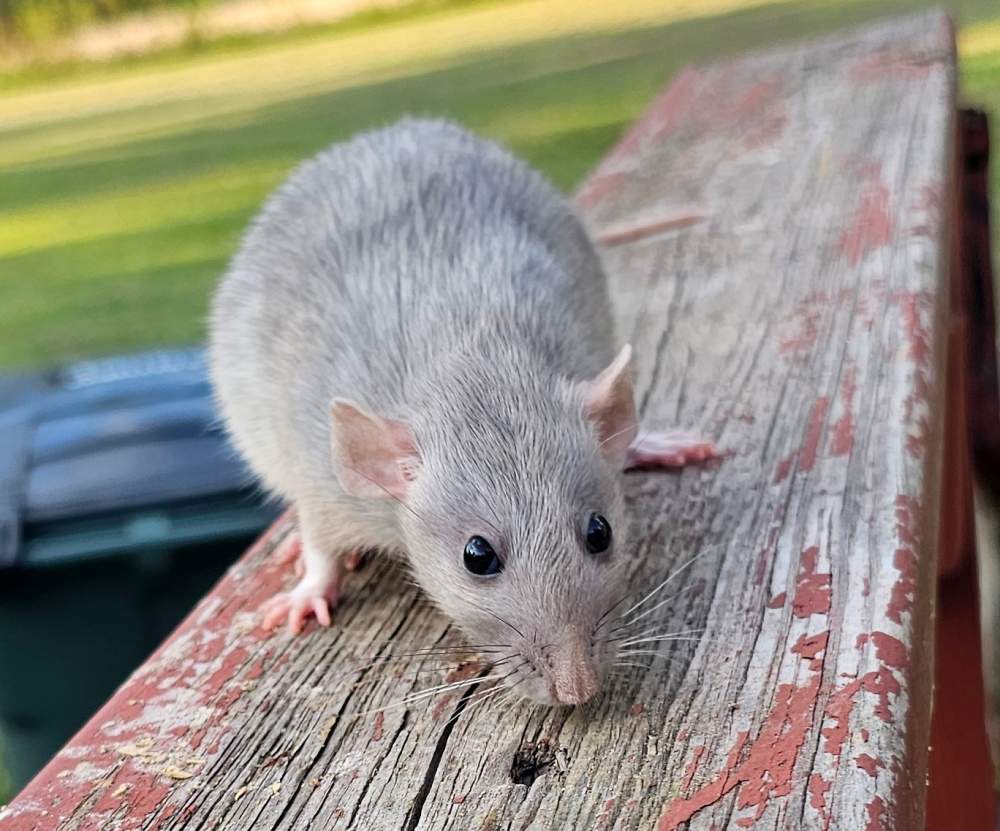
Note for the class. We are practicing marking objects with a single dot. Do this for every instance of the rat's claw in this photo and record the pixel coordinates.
(321, 610)
(352, 560)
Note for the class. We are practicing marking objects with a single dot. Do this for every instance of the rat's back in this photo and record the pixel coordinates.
(377, 260)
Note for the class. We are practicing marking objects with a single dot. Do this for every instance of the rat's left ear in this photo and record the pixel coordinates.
(375, 457)
(609, 403)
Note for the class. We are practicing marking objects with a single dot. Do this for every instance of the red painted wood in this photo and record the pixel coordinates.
(960, 790)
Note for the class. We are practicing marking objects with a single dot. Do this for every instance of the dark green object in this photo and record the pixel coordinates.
(121, 504)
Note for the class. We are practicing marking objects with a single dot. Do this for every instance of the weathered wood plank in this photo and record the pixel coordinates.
(777, 238)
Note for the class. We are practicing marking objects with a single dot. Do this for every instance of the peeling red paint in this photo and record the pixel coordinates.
(759, 112)
(778, 601)
(681, 810)
(912, 306)
(917, 336)
(869, 764)
(811, 444)
(377, 731)
(809, 647)
(865, 735)
(903, 592)
(843, 429)
(880, 682)
(692, 767)
(767, 771)
(637, 709)
(812, 591)
(875, 809)
(904, 589)
(890, 651)
(818, 788)
(784, 466)
(871, 226)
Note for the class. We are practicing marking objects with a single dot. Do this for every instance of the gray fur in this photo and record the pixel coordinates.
(431, 277)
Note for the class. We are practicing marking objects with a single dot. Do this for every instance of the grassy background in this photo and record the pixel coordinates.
(124, 188)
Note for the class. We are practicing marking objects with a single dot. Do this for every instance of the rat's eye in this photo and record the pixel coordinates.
(598, 534)
(481, 559)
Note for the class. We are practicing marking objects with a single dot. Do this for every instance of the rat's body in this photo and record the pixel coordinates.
(433, 309)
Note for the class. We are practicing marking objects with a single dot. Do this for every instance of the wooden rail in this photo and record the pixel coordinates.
(778, 233)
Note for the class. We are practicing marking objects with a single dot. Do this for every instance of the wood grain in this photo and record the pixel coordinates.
(796, 316)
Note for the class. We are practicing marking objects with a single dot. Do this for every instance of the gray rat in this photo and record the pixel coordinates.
(414, 347)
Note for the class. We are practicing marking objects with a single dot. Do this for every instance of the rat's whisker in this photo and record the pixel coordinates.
(628, 624)
(643, 652)
(666, 582)
(431, 692)
(448, 650)
(504, 622)
(651, 633)
(476, 700)
(632, 664)
(661, 638)
(503, 661)
(449, 686)
(604, 619)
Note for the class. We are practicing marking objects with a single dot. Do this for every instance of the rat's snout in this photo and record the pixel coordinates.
(574, 674)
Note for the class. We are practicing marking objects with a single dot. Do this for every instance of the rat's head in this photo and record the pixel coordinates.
(512, 515)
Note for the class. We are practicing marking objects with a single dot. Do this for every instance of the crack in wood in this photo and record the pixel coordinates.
(412, 819)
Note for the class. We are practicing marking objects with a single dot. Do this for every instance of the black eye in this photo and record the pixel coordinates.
(480, 558)
(598, 534)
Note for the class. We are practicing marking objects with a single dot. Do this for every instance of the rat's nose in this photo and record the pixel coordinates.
(574, 677)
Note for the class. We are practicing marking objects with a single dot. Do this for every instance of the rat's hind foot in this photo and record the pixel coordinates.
(673, 450)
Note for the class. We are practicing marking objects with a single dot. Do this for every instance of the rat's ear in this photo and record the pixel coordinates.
(609, 403)
(375, 457)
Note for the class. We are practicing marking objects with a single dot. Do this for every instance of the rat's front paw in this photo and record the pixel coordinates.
(673, 449)
(297, 606)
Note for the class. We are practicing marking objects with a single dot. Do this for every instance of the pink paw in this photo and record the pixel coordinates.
(672, 450)
(297, 606)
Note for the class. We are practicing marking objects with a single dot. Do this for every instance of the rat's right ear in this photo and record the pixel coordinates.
(609, 403)
(375, 457)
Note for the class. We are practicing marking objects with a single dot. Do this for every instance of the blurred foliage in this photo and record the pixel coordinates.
(35, 21)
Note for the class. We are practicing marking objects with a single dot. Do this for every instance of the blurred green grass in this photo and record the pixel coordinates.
(123, 189)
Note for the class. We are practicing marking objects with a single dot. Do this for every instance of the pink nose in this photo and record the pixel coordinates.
(574, 676)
